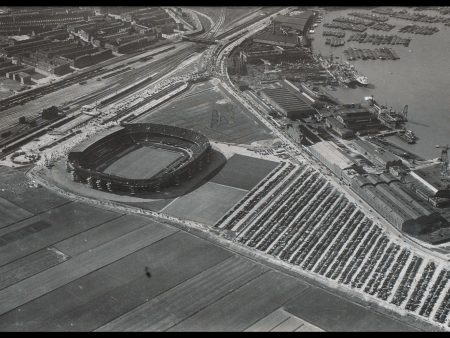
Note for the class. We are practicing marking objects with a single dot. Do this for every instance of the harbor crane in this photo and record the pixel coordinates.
(405, 113)
(444, 160)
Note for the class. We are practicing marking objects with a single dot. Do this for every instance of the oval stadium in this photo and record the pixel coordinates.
(139, 157)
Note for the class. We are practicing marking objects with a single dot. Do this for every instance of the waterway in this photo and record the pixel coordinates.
(420, 79)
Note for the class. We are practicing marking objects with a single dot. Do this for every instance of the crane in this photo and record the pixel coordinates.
(405, 113)
(444, 159)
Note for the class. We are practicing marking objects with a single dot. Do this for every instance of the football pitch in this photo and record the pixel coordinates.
(142, 163)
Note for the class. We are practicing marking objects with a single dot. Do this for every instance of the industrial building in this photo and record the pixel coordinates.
(338, 127)
(333, 157)
(398, 205)
(376, 154)
(275, 36)
(273, 55)
(356, 118)
(299, 23)
(429, 184)
(287, 103)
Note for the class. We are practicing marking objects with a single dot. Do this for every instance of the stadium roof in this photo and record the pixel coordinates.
(85, 144)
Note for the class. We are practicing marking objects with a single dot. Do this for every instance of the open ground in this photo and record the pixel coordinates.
(86, 267)
(207, 108)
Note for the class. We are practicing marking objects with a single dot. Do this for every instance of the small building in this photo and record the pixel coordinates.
(50, 113)
(24, 78)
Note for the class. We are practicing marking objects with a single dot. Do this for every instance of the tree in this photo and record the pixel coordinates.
(22, 120)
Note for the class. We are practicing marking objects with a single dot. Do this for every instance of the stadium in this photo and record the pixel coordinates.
(139, 158)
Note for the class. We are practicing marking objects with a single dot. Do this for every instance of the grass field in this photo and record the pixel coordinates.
(206, 204)
(75, 267)
(11, 213)
(45, 229)
(187, 298)
(244, 172)
(14, 187)
(229, 313)
(282, 321)
(194, 110)
(333, 313)
(142, 163)
(29, 265)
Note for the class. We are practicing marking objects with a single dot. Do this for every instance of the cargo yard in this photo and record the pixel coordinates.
(168, 166)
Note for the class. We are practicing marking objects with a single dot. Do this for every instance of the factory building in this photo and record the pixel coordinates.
(273, 55)
(376, 154)
(427, 182)
(299, 23)
(333, 157)
(338, 127)
(276, 37)
(23, 78)
(287, 103)
(398, 205)
(356, 118)
(431, 179)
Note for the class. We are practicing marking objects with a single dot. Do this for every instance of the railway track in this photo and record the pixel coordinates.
(162, 68)
(159, 67)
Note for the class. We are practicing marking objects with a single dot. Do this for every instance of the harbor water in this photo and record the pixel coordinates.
(420, 79)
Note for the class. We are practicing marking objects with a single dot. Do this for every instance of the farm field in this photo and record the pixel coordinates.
(225, 314)
(332, 313)
(74, 267)
(208, 110)
(187, 298)
(11, 213)
(142, 163)
(206, 204)
(282, 321)
(45, 229)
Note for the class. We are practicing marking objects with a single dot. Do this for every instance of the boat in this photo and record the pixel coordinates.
(408, 136)
(362, 80)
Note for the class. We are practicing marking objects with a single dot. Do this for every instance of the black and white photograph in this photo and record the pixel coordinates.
(221, 168)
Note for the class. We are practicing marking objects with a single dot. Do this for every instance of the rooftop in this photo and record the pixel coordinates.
(286, 99)
(90, 141)
(333, 154)
(431, 177)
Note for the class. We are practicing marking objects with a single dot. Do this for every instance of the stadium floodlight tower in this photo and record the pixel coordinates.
(444, 160)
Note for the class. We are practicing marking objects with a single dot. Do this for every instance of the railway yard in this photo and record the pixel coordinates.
(272, 232)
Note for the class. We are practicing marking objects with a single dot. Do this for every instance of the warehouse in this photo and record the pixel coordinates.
(357, 118)
(429, 179)
(334, 158)
(277, 38)
(300, 23)
(287, 103)
(376, 154)
(338, 127)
